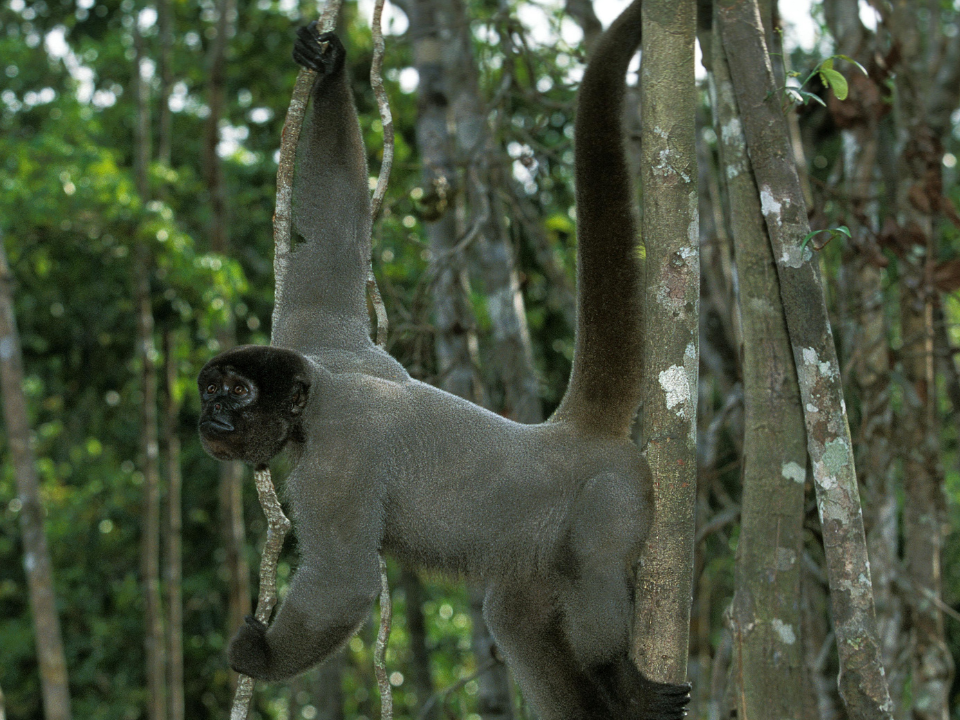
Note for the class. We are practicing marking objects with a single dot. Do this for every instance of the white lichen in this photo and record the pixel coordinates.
(793, 471)
(676, 389)
(732, 131)
(785, 631)
(769, 205)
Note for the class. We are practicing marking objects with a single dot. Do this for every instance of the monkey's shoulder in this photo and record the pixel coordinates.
(352, 362)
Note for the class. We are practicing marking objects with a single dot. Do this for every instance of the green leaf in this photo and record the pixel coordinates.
(836, 81)
(810, 96)
(832, 234)
(851, 60)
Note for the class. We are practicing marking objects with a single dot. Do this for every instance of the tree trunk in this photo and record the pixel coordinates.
(867, 336)
(765, 618)
(922, 128)
(862, 683)
(671, 354)
(453, 317)
(483, 213)
(174, 531)
(36, 556)
(165, 130)
(155, 640)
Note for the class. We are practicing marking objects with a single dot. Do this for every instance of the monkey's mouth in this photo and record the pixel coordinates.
(214, 426)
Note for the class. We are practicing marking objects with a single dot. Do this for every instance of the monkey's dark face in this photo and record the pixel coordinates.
(252, 400)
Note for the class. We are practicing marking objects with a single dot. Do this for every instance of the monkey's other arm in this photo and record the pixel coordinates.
(323, 303)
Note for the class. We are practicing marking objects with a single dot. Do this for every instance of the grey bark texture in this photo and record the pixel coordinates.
(765, 616)
(492, 255)
(670, 351)
(866, 333)
(36, 556)
(862, 682)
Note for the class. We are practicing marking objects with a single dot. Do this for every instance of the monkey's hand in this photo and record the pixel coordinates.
(321, 52)
(249, 653)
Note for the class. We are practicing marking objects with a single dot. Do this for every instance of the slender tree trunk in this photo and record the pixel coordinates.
(922, 127)
(484, 215)
(231, 473)
(36, 557)
(174, 544)
(868, 337)
(862, 682)
(150, 450)
(165, 130)
(453, 319)
(671, 353)
(765, 618)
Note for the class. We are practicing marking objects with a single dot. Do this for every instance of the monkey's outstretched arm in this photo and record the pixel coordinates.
(329, 598)
(324, 301)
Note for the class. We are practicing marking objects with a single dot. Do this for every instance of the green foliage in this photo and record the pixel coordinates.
(71, 218)
(830, 233)
(831, 79)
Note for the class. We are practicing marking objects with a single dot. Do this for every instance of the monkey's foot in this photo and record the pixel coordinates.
(249, 653)
(321, 52)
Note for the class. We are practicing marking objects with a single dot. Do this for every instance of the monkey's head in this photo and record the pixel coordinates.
(252, 401)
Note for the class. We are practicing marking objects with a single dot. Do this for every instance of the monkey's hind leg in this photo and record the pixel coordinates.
(527, 627)
(597, 603)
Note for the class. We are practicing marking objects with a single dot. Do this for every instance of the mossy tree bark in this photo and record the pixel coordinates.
(765, 618)
(862, 682)
(671, 354)
(863, 118)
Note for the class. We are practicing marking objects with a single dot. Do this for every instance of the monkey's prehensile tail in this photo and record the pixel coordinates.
(604, 389)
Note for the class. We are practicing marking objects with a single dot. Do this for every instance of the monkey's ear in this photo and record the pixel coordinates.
(298, 396)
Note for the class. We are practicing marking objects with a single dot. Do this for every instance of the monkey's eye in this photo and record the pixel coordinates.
(239, 390)
(211, 388)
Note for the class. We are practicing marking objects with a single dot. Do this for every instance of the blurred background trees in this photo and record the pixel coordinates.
(138, 147)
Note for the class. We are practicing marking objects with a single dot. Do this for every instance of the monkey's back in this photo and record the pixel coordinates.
(461, 489)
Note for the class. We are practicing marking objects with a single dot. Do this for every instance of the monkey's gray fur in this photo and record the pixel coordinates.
(550, 517)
